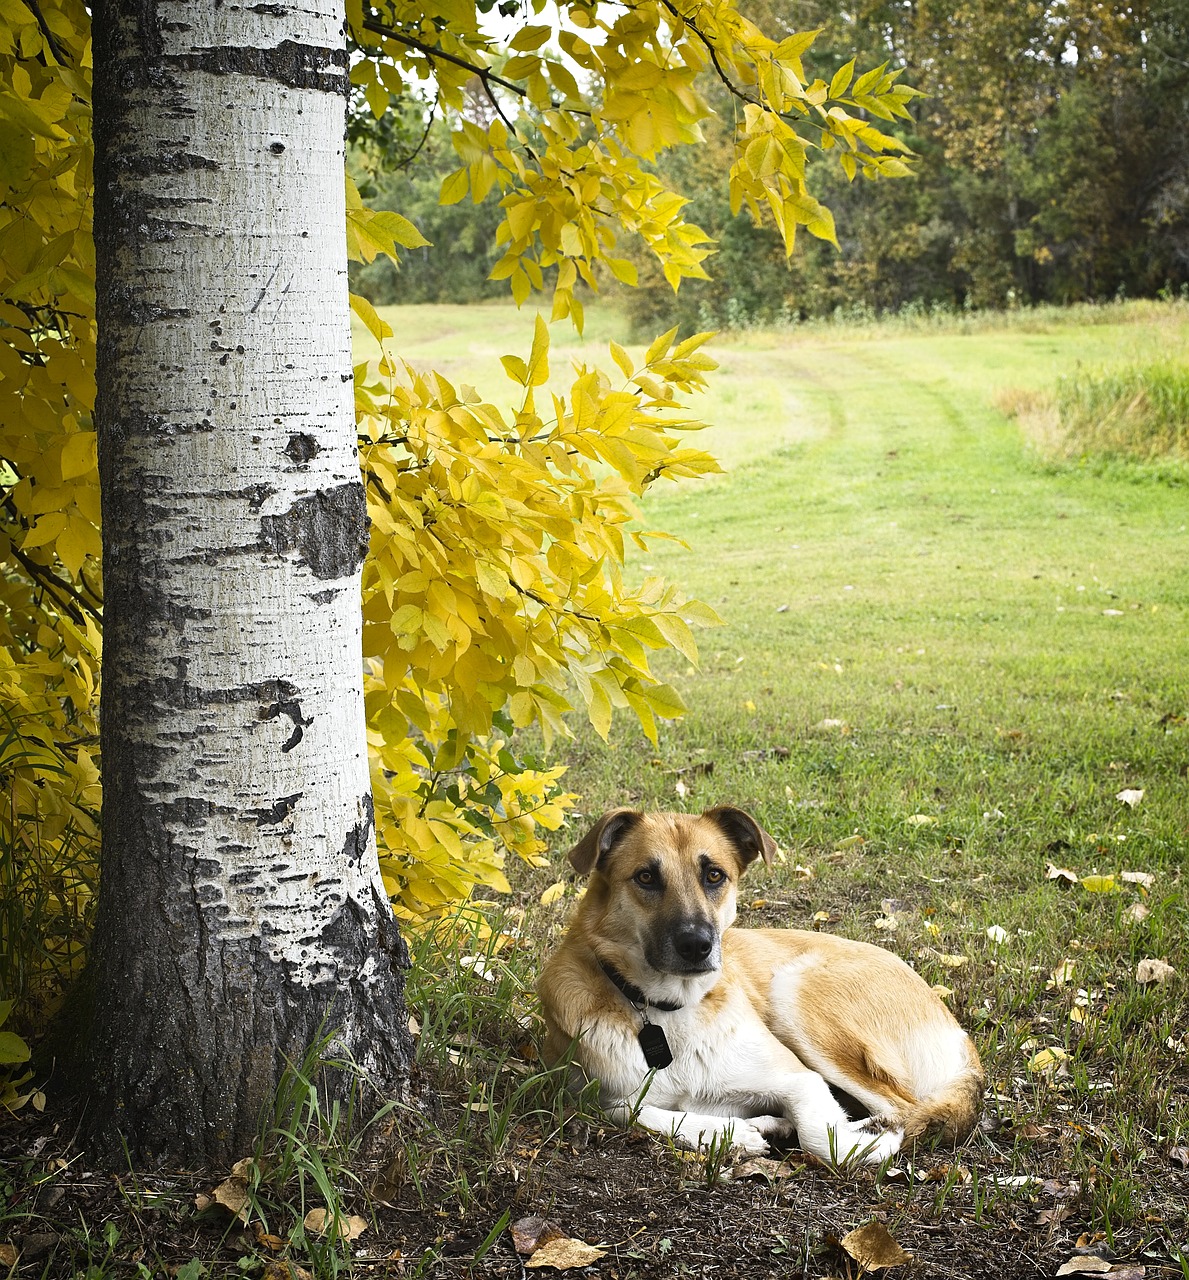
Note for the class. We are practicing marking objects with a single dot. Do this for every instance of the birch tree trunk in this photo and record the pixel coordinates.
(241, 908)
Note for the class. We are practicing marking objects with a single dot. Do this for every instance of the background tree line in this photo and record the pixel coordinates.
(1051, 169)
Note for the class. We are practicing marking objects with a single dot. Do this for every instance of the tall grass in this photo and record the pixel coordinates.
(1141, 412)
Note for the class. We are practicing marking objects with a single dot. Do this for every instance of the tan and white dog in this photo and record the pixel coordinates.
(712, 1034)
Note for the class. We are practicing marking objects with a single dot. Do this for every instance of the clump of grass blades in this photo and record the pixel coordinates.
(1139, 413)
(306, 1158)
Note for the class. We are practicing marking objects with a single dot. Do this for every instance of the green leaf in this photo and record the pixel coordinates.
(842, 78)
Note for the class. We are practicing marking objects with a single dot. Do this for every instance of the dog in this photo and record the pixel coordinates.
(712, 1035)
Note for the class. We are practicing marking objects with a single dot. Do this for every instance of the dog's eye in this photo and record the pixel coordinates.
(714, 875)
(646, 878)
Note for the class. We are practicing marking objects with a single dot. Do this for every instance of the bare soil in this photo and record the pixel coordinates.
(652, 1211)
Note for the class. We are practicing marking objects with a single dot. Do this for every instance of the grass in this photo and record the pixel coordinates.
(944, 658)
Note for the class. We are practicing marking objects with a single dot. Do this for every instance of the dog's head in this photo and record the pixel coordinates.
(663, 884)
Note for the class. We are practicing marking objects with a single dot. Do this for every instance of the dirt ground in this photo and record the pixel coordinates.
(649, 1211)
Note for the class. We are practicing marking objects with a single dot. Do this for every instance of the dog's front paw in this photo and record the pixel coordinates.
(750, 1138)
(774, 1128)
(855, 1143)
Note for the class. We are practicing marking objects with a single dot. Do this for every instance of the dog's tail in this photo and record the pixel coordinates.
(950, 1113)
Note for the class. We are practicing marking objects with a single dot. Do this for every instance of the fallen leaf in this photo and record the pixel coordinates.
(873, 1248)
(681, 789)
(1084, 1266)
(886, 923)
(566, 1254)
(803, 873)
(763, 1167)
(1145, 879)
(1149, 970)
(274, 1270)
(1062, 875)
(8, 1255)
(1062, 974)
(1179, 1156)
(202, 1201)
(529, 1234)
(832, 726)
(553, 894)
(479, 967)
(1053, 1217)
(1137, 913)
(321, 1222)
(232, 1193)
(952, 961)
(1130, 796)
(1099, 884)
(850, 842)
(274, 1244)
(997, 934)
(940, 989)
(1128, 1271)
(1047, 1059)
(921, 820)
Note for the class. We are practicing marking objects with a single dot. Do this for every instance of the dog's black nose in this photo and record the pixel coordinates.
(694, 940)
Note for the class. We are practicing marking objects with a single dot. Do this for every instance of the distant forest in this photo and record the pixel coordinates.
(1052, 167)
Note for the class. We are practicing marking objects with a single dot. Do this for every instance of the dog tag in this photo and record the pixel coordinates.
(657, 1053)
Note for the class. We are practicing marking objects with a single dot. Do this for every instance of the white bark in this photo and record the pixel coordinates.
(237, 808)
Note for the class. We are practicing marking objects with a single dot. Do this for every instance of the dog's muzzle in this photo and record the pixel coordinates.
(690, 946)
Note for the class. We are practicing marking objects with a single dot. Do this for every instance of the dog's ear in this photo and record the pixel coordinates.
(750, 840)
(602, 838)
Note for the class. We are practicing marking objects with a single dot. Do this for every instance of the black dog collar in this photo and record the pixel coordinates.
(633, 994)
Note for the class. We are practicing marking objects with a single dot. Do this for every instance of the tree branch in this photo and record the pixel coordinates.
(54, 47)
(485, 74)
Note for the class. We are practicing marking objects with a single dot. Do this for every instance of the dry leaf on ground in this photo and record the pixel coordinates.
(1047, 1059)
(320, 1221)
(1084, 1266)
(1145, 879)
(8, 1255)
(531, 1233)
(1063, 875)
(1130, 796)
(873, 1248)
(565, 1254)
(763, 1167)
(284, 1270)
(1149, 970)
(997, 934)
(1137, 913)
(1099, 884)
(232, 1193)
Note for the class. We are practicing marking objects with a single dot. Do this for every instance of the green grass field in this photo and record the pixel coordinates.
(943, 660)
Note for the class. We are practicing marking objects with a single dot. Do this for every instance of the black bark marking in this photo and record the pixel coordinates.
(300, 66)
(274, 816)
(291, 708)
(301, 447)
(329, 529)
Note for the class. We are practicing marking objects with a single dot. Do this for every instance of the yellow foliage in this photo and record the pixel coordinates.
(49, 502)
(495, 586)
